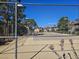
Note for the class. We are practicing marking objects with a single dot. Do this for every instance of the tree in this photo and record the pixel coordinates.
(31, 24)
(1, 28)
(4, 14)
(63, 24)
(21, 28)
(7, 11)
(3, 0)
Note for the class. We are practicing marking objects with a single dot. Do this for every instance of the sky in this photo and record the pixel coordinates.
(49, 15)
(52, 1)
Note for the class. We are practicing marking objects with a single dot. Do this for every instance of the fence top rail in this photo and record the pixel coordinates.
(7, 2)
(6, 37)
(44, 4)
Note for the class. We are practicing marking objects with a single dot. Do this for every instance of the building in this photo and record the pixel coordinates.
(50, 28)
(74, 27)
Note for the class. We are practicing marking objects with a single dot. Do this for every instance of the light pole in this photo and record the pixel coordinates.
(16, 43)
